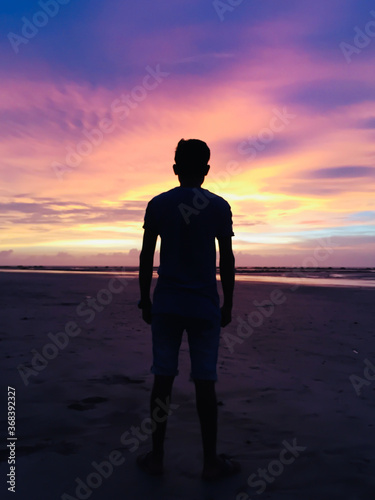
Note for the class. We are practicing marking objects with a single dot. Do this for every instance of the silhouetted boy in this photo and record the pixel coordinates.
(188, 218)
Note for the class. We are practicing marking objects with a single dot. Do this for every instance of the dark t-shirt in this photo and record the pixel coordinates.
(188, 220)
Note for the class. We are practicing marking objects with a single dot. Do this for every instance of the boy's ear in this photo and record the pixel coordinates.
(206, 170)
(176, 169)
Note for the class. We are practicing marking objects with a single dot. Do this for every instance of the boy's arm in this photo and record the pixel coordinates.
(227, 273)
(146, 262)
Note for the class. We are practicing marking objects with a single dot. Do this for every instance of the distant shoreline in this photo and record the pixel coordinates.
(240, 269)
(357, 277)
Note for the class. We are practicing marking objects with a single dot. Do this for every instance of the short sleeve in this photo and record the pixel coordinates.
(150, 220)
(225, 226)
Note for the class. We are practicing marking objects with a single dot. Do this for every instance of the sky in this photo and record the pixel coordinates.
(95, 95)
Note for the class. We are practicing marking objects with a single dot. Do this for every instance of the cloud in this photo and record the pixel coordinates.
(328, 94)
(366, 123)
(309, 189)
(70, 213)
(129, 258)
(5, 254)
(365, 216)
(346, 172)
(312, 222)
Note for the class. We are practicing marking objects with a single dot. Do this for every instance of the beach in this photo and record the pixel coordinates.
(295, 393)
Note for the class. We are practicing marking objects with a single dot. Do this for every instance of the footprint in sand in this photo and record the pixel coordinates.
(117, 379)
(87, 403)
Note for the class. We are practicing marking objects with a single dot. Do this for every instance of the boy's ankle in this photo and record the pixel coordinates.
(210, 460)
(158, 456)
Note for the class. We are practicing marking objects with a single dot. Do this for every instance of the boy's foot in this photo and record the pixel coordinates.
(224, 467)
(149, 464)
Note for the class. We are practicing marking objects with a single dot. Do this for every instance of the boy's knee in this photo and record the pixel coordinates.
(164, 379)
(163, 382)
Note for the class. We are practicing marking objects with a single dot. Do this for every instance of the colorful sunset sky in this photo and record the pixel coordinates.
(95, 99)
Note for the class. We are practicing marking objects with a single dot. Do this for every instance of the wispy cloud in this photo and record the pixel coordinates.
(345, 172)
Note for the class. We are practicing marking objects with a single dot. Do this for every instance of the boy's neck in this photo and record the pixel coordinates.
(191, 183)
(188, 185)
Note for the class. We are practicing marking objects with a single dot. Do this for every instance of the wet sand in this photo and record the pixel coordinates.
(296, 393)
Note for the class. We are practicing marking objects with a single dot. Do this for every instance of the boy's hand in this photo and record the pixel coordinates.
(146, 314)
(146, 311)
(226, 315)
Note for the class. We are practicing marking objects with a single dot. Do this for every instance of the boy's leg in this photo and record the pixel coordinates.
(152, 462)
(207, 411)
(214, 466)
(167, 332)
(161, 392)
(203, 336)
(166, 339)
(204, 342)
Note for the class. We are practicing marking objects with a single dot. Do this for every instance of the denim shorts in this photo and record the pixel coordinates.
(203, 338)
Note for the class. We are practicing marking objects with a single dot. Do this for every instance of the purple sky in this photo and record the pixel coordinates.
(95, 96)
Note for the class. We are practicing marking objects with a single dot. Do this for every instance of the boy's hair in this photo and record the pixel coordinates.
(192, 156)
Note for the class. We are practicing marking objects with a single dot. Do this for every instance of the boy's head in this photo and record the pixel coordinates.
(191, 161)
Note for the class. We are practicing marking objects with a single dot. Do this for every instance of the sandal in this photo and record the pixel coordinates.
(149, 465)
(225, 467)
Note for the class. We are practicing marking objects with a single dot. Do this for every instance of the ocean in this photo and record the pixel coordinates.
(323, 276)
